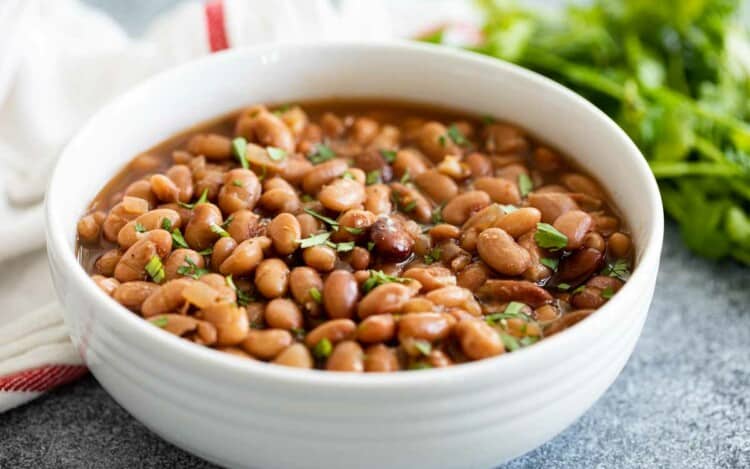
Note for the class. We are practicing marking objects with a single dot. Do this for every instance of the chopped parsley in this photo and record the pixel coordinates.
(420, 366)
(373, 177)
(166, 224)
(388, 155)
(298, 333)
(139, 228)
(619, 269)
(323, 348)
(550, 262)
(378, 277)
(548, 237)
(306, 198)
(370, 245)
(218, 230)
(607, 293)
(237, 183)
(160, 321)
(563, 286)
(511, 343)
(354, 230)
(228, 221)
(410, 206)
(432, 256)
(316, 295)
(528, 340)
(190, 269)
(437, 214)
(276, 153)
(202, 199)
(206, 252)
(456, 136)
(514, 310)
(178, 239)
(348, 175)
(239, 148)
(406, 177)
(341, 247)
(243, 298)
(579, 289)
(330, 221)
(314, 240)
(488, 119)
(155, 269)
(423, 347)
(524, 184)
(321, 154)
(508, 208)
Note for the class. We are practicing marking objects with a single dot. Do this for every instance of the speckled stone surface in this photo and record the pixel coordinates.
(683, 400)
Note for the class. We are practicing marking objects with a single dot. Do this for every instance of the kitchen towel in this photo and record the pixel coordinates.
(60, 61)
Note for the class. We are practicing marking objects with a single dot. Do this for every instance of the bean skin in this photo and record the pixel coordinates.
(282, 313)
(438, 187)
(335, 331)
(241, 191)
(212, 146)
(132, 294)
(340, 294)
(478, 340)
(179, 259)
(380, 358)
(320, 258)
(222, 249)
(514, 290)
(266, 344)
(272, 278)
(295, 356)
(498, 250)
(391, 239)
(346, 356)
(245, 258)
(284, 231)
(198, 232)
(574, 224)
(383, 299)
(377, 328)
(458, 210)
(301, 281)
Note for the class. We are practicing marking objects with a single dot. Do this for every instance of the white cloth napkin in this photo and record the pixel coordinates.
(60, 61)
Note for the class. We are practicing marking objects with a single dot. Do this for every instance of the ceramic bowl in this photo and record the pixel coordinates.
(242, 413)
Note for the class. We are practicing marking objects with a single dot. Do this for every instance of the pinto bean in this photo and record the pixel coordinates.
(241, 191)
(551, 204)
(132, 294)
(594, 240)
(335, 331)
(132, 265)
(164, 188)
(504, 138)
(180, 325)
(505, 291)
(359, 258)
(222, 249)
(182, 178)
(537, 271)
(272, 278)
(479, 165)
(346, 356)
(178, 260)
(155, 219)
(364, 130)
(282, 313)
(458, 210)
(391, 239)
(142, 190)
(107, 262)
(342, 195)
(377, 328)
(547, 160)
(478, 340)
(323, 174)
(435, 143)
(567, 320)
(295, 356)
(410, 201)
(320, 258)
(581, 263)
(266, 344)
(619, 244)
(501, 191)
(437, 186)
(455, 297)
(340, 294)
(498, 250)
(90, 226)
(378, 199)
(432, 277)
(168, 297)
(424, 326)
(583, 184)
(198, 232)
(212, 146)
(107, 284)
(520, 221)
(411, 161)
(245, 258)
(301, 281)
(384, 299)
(129, 209)
(243, 225)
(380, 358)
(266, 129)
(443, 231)
(309, 225)
(284, 231)
(230, 321)
(574, 224)
(473, 276)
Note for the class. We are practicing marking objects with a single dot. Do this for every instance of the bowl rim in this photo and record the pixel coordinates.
(57, 235)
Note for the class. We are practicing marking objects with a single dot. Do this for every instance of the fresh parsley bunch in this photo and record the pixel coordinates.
(674, 75)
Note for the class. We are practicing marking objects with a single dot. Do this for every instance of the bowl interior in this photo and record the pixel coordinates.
(211, 87)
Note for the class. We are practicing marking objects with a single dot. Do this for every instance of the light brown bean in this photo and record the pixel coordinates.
(340, 294)
(129, 209)
(245, 258)
(283, 313)
(132, 265)
(439, 187)
(230, 320)
(295, 356)
(377, 328)
(168, 297)
(342, 194)
(241, 191)
(335, 331)
(458, 210)
(266, 344)
(551, 204)
(384, 299)
(272, 278)
(132, 294)
(320, 258)
(346, 356)
(478, 340)
(129, 234)
(378, 199)
(164, 188)
(178, 261)
(323, 174)
(380, 358)
(284, 231)
(198, 232)
(212, 146)
(455, 297)
(90, 226)
(108, 284)
(223, 248)
(519, 222)
(182, 177)
(301, 281)
(500, 190)
(107, 262)
(498, 250)
(574, 224)
(619, 245)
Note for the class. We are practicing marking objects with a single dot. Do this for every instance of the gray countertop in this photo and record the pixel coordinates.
(682, 401)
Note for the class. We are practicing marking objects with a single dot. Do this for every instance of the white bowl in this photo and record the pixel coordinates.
(242, 413)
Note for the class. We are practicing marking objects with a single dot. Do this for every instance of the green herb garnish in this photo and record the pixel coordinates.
(139, 228)
(166, 224)
(353, 230)
(607, 293)
(619, 269)
(524, 184)
(243, 298)
(455, 134)
(578, 289)
(373, 177)
(511, 343)
(548, 237)
(239, 148)
(276, 153)
(420, 365)
(206, 252)
(378, 277)
(155, 269)
(323, 349)
(432, 256)
(508, 208)
(423, 347)
(316, 295)
(178, 239)
(550, 262)
(330, 221)
(388, 155)
(563, 286)
(237, 183)
(314, 240)
(202, 199)
(406, 177)
(190, 269)
(528, 340)
(341, 247)
(347, 175)
(321, 154)
(218, 230)
(437, 214)
(159, 321)
(298, 333)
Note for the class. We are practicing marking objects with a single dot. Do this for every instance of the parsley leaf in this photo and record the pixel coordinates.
(159, 321)
(550, 262)
(373, 177)
(321, 154)
(378, 277)
(316, 295)
(333, 223)
(423, 347)
(548, 237)
(608, 293)
(275, 153)
(455, 134)
(314, 240)
(619, 269)
(323, 348)
(191, 269)
(524, 184)
(139, 228)
(166, 224)
(218, 230)
(388, 155)
(432, 256)
(202, 199)
(178, 239)
(239, 148)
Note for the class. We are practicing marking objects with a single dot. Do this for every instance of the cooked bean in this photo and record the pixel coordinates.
(340, 294)
(594, 241)
(129, 209)
(107, 262)
(132, 265)
(504, 138)
(282, 313)
(619, 245)
(437, 186)
(230, 321)
(359, 258)
(346, 356)
(432, 277)
(107, 284)
(514, 290)
(164, 188)
(479, 165)
(272, 278)
(168, 297)
(501, 191)
(379, 358)
(377, 328)
(266, 344)
(200, 232)
(546, 159)
(473, 276)
(478, 340)
(581, 263)
(182, 178)
(320, 258)
(435, 142)
(383, 299)
(322, 174)
(519, 222)
(284, 231)
(243, 225)
(241, 191)
(574, 224)
(498, 250)
(142, 190)
(245, 258)
(295, 356)
(264, 127)
(537, 271)
(221, 250)
(183, 262)
(409, 161)
(458, 210)
(580, 183)
(155, 219)
(342, 195)
(551, 204)
(132, 294)
(301, 281)
(378, 199)
(567, 320)
(455, 297)
(391, 239)
(424, 326)
(90, 226)
(179, 325)
(212, 146)
(335, 331)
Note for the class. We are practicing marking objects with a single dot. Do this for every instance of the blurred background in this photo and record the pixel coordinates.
(674, 74)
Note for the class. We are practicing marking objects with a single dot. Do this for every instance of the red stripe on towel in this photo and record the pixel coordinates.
(41, 379)
(217, 33)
